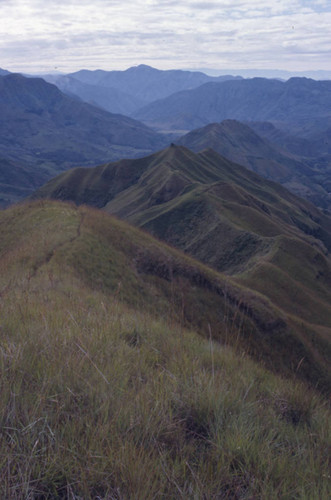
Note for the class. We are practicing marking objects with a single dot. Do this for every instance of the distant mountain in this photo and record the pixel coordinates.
(298, 103)
(135, 86)
(3, 72)
(42, 128)
(227, 217)
(109, 98)
(239, 143)
(270, 73)
(314, 141)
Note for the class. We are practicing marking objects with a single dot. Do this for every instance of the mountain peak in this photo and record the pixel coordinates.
(176, 152)
(143, 68)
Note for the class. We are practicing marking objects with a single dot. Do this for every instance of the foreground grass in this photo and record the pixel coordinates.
(105, 394)
(100, 401)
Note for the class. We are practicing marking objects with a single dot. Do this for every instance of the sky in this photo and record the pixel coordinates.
(41, 36)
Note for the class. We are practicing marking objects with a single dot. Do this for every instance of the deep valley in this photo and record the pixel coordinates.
(165, 286)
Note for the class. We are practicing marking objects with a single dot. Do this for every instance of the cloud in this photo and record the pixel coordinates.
(188, 33)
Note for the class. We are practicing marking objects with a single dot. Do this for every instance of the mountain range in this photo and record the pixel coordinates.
(44, 129)
(165, 316)
(306, 177)
(127, 91)
(229, 218)
(52, 138)
(108, 98)
(298, 103)
(311, 142)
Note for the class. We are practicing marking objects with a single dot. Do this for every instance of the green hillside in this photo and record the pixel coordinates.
(108, 392)
(227, 217)
(110, 255)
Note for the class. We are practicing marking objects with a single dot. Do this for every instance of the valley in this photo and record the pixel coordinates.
(165, 285)
(44, 130)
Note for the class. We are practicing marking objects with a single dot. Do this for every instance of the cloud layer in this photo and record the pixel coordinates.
(43, 35)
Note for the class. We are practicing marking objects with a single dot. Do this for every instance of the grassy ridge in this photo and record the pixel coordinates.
(109, 255)
(106, 394)
(236, 222)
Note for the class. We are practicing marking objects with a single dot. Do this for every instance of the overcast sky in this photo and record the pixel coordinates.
(67, 35)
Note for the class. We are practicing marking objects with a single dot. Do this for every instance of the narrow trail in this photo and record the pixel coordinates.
(49, 256)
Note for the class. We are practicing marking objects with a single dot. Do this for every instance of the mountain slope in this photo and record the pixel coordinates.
(310, 143)
(42, 127)
(111, 99)
(239, 143)
(227, 217)
(30, 102)
(17, 181)
(146, 274)
(299, 101)
(145, 83)
(100, 399)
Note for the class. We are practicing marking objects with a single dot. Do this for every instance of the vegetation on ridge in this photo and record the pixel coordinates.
(231, 219)
(103, 399)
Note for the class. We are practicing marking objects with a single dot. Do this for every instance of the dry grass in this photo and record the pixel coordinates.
(100, 399)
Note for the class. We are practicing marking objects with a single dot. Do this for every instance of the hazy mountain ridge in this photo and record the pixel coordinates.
(126, 91)
(295, 102)
(239, 143)
(271, 73)
(42, 127)
(54, 137)
(311, 143)
(111, 99)
(36, 97)
(146, 83)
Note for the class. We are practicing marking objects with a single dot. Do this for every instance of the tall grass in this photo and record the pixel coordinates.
(104, 400)
(101, 401)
